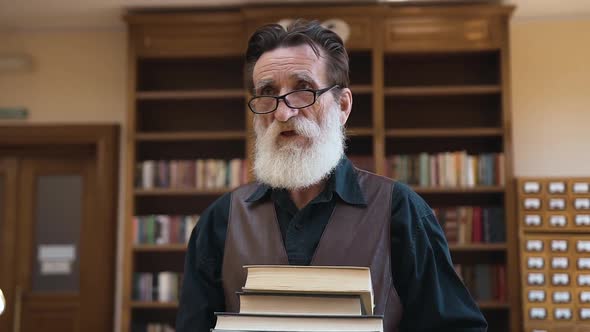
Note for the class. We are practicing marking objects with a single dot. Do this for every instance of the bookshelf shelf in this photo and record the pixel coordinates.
(478, 247)
(191, 94)
(445, 132)
(179, 192)
(179, 247)
(460, 190)
(361, 89)
(191, 136)
(359, 131)
(493, 305)
(153, 305)
(442, 90)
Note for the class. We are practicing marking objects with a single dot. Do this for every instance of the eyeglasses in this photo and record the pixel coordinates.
(294, 99)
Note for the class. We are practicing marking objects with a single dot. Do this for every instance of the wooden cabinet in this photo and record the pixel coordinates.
(210, 34)
(360, 20)
(428, 79)
(553, 228)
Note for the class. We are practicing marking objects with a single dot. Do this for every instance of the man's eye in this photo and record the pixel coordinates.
(303, 85)
(267, 92)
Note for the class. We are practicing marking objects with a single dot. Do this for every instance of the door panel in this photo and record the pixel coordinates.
(58, 221)
(51, 313)
(58, 238)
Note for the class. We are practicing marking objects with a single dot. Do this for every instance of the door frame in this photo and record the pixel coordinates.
(103, 142)
(8, 239)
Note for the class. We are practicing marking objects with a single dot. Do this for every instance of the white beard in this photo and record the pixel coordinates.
(291, 166)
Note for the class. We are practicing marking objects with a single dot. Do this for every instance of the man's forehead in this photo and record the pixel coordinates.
(303, 75)
(293, 62)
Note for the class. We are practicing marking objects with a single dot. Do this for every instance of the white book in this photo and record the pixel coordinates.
(463, 174)
(189, 224)
(164, 223)
(249, 322)
(221, 176)
(300, 304)
(424, 172)
(335, 280)
(210, 173)
(148, 168)
(166, 286)
(450, 169)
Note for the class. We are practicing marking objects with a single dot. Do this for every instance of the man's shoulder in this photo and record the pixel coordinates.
(219, 208)
(367, 178)
(405, 197)
(245, 190)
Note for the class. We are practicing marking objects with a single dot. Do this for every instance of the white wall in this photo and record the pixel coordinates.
(78, 76)
(551, 97)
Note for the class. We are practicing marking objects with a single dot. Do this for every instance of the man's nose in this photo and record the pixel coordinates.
(284, 112)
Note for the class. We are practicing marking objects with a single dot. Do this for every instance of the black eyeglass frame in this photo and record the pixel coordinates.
(316, 94)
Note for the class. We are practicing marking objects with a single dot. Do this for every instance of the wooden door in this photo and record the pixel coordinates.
(63, 279)
(8, 193)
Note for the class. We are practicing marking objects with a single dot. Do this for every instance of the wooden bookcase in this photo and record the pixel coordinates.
(424, 79)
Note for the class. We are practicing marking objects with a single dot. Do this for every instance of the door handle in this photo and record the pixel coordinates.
(17, 308)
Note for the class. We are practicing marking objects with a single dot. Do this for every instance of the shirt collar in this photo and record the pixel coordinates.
(343, 181)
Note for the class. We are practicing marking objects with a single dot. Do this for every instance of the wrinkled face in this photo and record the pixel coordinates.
(281, 71)
(296, 148)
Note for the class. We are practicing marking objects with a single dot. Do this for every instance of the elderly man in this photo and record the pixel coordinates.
(311, 206)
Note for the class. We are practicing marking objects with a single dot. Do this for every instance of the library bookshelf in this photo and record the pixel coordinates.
(425, 80)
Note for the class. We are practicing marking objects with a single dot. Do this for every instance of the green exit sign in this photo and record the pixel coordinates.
(13, 113)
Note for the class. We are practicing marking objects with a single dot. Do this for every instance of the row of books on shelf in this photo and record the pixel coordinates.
(163, 229)
(445, 169)
(472, 224)
(485, 282)
(461, 225)
(205, 174)
(448, 169)
(156, 286)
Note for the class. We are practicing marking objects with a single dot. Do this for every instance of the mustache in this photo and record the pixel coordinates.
(301, 126)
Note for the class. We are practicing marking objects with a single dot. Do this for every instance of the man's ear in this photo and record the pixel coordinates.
(345, 104)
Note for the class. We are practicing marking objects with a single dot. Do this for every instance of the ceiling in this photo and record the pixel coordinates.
(75, 14)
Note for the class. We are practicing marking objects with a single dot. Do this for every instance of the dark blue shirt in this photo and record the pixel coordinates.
(432, 295)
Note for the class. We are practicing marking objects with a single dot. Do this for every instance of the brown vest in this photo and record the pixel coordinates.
(354, 236)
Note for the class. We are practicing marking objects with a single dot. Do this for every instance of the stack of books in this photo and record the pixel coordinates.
(304, 298)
